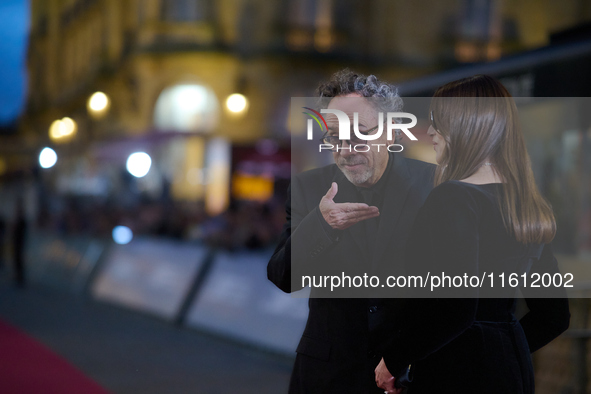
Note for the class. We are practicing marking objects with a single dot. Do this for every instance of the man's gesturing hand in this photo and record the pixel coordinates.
(343, 215)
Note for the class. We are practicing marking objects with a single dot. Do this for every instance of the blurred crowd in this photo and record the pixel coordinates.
(245, 224)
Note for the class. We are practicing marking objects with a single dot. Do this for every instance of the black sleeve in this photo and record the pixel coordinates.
(279, 266)
(304, 229)
(547, 317)
(329, 231)
(446, 229)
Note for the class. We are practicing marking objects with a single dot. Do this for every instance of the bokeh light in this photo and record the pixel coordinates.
(47, 158)
(63, 129)
(138, 164)
(122, 235)
(236, 103)
(98, 104)
(187, 107)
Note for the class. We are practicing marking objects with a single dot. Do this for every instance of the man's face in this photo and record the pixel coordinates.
(361, 168)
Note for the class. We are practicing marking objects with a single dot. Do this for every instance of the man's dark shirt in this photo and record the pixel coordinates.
(372, 196)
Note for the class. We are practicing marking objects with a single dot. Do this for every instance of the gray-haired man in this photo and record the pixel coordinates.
(354, 212)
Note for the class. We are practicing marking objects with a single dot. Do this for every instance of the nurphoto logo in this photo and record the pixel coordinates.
(334, 143)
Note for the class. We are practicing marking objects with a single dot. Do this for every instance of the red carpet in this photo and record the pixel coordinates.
(28, 367)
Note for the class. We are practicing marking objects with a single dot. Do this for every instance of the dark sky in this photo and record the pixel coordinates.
(14, 28)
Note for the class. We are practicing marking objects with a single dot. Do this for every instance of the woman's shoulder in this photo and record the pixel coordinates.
(452, 189)
(453, 195)
(460, 188)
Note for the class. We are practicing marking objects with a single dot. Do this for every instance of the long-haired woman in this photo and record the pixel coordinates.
(485, 215)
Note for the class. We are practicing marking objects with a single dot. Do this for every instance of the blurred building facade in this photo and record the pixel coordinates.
(168, 67)
(135, 49)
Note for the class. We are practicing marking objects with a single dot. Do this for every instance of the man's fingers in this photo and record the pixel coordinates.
(345, 215)
(334, 188)
(357, 219)
(366, 216)
(369, 211)
(347, 220)
(354, 212)
(354, 206)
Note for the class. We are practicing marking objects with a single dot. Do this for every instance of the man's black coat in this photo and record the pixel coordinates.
(335, 354)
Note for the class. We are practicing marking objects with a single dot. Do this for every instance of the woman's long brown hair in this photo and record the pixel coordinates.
(478, 119)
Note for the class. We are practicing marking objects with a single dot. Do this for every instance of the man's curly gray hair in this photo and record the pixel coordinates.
(384, 96)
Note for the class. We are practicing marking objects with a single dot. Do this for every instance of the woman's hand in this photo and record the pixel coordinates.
(385, 380)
